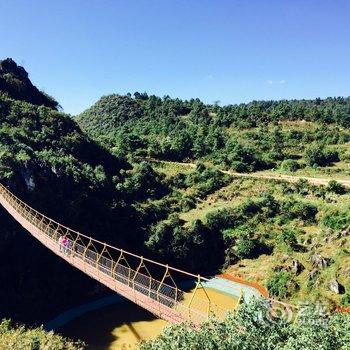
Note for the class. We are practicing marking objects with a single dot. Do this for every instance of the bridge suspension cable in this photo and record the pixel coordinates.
(128, 274)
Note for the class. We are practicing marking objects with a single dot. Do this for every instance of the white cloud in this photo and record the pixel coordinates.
(270, 82)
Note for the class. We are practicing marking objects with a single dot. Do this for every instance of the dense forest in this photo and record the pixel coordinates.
(114, 173)
(245, 137)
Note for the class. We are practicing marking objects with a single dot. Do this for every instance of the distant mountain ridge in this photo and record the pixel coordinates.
(15, 82)
(182, 130)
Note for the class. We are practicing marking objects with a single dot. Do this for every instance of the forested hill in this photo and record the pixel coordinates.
(273, 232)
(15, 82)
(51, 164)
(47, 161)
(177, 215)
(233, 136)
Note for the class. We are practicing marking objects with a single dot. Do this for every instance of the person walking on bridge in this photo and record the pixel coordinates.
(60, 243)
(63, 242)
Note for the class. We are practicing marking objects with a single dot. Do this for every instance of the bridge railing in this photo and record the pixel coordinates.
(115, 263)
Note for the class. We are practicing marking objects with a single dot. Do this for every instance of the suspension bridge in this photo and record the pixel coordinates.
(125, 273)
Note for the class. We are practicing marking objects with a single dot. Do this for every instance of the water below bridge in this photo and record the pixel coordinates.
(114, 323)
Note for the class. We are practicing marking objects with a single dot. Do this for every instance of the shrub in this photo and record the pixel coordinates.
(251, 328)
(242, 231)
(206, 180)
(290, 165)
(20, 338)
(248, 208)
(220, 219)
(240, 167)
(336, 219)
(178, 181)
(345, 156)
(268, 205)
(187, 203)
(336, 187)
(244, 158)
(250, 248)
(278, 284)
(289, 238)
(316, 154)
(300, 210)
(345, 299)
(302, 186)
(144, 183)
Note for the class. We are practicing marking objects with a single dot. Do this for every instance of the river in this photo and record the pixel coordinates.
(123, 325)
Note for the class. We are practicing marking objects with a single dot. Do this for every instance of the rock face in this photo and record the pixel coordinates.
(297, 267)
(278, 268)
(319, 262)
(345, 232)
(336, 287)
(313, 274)
(15, 82)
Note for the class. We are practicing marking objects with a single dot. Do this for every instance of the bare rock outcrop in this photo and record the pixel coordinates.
(336, 287)
(318, 261)
(297, 267)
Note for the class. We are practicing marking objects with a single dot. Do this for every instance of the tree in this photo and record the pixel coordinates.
(277, 140)
(336, 187)
(250, 248)
(279, 283)
(290, 165)
(252, 327)
(316, 155)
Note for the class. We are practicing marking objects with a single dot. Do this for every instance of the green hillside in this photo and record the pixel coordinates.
(291, 237)
(50, 163)
(15, 82)
(116, 172)
(248, 137)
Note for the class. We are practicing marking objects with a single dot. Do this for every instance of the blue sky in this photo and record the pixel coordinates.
(228, 50)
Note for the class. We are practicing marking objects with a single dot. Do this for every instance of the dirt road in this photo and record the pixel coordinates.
(265, 175)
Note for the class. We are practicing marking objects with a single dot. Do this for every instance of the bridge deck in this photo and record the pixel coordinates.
(161, 299)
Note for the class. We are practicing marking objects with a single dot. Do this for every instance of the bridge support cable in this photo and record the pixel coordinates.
(113, 267)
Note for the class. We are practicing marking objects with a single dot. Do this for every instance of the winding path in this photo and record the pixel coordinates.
(262, 175)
